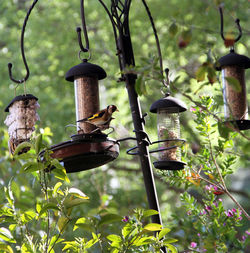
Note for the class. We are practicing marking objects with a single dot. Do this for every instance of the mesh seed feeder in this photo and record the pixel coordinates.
(168, 127)
(232, 68)
(21, 119)
(88, 148)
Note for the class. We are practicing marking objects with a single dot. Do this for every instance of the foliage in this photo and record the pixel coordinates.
(204, 206)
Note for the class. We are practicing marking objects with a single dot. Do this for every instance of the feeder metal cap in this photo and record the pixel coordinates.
(85, 69)
(168, 102)
(234, 59)
(19, 98)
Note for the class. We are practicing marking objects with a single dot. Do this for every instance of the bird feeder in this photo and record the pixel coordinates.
(168, 126)
(21, 120)
(85, 77)
(88, 148)
(233, 67)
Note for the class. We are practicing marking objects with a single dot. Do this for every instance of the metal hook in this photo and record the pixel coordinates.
(78, 30)
(237, 21)
(22, 48)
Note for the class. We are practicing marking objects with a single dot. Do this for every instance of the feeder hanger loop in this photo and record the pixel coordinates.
(22, 49)
(85, 33)
(237, 21)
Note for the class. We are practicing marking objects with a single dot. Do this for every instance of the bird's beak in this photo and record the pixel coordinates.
(117, 110)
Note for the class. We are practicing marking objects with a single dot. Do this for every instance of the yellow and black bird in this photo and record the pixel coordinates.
(102, 118)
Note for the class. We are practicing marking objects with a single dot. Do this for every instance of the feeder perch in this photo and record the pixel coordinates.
(168, 126)
(233, 67)
(21, 120)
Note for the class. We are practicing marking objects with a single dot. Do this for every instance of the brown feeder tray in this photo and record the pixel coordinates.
(85, 151)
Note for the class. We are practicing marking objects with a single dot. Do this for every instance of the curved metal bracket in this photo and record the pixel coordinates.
(78, 30)
(22, 49)
(237, 21)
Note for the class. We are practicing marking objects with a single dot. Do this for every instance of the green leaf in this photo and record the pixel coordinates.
(38, 143)
(170, 240)
(84, 226)
(224, 131)
(28, 216)
(15, 189)
(77, 193)
(114, 238)
(171, 247)
(47, 207)
(70, 202)
(163, 232)
(56, 187)
(109, 218)
(201, 73)
(149, 212)
(31, 167)
(6, 248)
(127, 229)
(22, 146)
(235, 84)
(62, 223)
(153, 227)
(173, 29)
(60, 174)
(6, 235)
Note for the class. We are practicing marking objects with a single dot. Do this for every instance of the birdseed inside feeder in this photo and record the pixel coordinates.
(233, 67)
(85, 77)
(21, 119)
(168, 126)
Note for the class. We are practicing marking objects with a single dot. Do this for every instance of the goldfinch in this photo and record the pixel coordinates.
(102, 118)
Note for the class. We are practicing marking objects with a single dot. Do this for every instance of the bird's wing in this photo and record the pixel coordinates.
(96, 115)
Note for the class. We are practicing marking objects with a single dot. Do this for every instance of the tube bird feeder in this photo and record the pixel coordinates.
(168, 126)
(233, 67)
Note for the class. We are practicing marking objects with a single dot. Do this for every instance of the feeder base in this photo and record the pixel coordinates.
(240, 124)
(169, 165)
(85, 152)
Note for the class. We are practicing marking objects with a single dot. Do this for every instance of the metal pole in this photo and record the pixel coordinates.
(143, 149)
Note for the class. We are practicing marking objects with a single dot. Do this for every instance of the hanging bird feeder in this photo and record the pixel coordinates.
(89, 148)
(168, 126)
(21, 119)
(233, 67)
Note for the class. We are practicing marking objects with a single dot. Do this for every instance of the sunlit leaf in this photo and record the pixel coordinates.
(149, 212)
(77, 193)
(6, 235)
(163, 232)
(153, 227)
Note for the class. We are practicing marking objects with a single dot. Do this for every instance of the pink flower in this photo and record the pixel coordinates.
(208, 208)
(247, 232)
(234, 210)
(193, 244)
(192, 109)
(229, 213)
(199, 234)
(125, 219)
